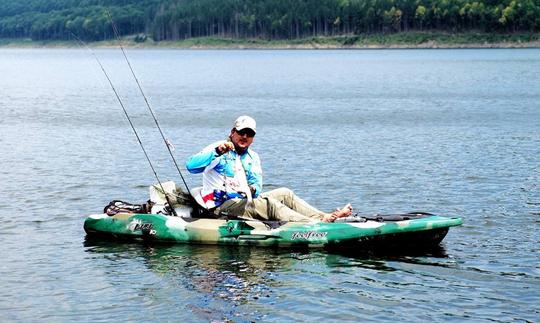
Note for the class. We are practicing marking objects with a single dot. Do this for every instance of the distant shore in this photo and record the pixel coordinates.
(409, 40)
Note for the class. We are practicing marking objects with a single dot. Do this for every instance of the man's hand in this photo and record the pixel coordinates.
(224, 147)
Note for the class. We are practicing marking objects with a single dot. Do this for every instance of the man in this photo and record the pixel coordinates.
(232, 182)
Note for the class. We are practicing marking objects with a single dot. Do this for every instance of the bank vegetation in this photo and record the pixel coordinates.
(341, 22)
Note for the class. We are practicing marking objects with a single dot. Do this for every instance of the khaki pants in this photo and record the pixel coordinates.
(277, 205)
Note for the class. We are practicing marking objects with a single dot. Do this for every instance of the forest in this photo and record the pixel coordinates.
(264, 19)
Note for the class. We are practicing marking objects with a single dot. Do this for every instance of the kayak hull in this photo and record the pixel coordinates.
(425, 231)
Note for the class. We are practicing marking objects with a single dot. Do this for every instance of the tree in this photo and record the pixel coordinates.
(420, 16)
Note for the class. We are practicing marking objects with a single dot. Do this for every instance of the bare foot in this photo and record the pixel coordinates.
(343, 212)
(338, 213)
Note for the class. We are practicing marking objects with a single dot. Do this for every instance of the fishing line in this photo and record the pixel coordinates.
(129, 120)
(167, 143)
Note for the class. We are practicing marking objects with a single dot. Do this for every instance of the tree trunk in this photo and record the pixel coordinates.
(236, 29)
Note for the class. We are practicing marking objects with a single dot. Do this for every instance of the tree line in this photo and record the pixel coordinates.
(62, 19)
(268, 19)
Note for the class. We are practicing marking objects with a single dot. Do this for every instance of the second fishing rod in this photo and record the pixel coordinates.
(130, 122)
(165, 140)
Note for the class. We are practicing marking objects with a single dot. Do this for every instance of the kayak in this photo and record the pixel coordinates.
(156, 222)
(416, 229)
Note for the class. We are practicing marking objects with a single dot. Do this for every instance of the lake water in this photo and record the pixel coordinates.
(452, 132)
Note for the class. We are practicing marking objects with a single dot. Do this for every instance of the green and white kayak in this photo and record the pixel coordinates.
(379, 231)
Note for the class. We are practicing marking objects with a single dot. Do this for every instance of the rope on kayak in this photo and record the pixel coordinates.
(128, 118)
(167, 142)
(384, 217)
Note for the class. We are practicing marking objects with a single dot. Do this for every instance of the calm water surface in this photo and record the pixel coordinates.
(454, 132)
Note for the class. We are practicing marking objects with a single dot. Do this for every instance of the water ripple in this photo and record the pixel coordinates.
(459, 137)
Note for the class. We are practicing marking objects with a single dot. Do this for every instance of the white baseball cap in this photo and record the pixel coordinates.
(243, 122)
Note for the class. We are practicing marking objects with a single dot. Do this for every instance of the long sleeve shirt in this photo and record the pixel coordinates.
(220, 172)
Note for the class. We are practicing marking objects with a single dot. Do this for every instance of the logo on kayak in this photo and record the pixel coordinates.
(138, 225)
(309, 235)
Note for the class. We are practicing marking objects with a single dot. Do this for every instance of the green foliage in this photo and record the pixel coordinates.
(260, 19)
(61, 19)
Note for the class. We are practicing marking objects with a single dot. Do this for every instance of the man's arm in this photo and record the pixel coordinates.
(198, 162)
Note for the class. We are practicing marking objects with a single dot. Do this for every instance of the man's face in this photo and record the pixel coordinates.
(242, 139)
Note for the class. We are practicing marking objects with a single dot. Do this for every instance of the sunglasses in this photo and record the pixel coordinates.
(248, 132)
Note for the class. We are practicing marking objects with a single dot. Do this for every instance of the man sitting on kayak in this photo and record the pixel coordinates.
(232, 182)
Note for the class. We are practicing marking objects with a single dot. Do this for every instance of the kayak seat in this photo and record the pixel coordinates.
(196, 193)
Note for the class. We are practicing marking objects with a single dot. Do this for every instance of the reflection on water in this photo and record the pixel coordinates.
(245, 277)
(234, 275)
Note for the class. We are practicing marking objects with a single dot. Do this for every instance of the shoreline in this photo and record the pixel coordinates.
(395, 41)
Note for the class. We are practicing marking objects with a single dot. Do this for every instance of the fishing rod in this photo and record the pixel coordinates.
(130, 122)
(167, 142)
